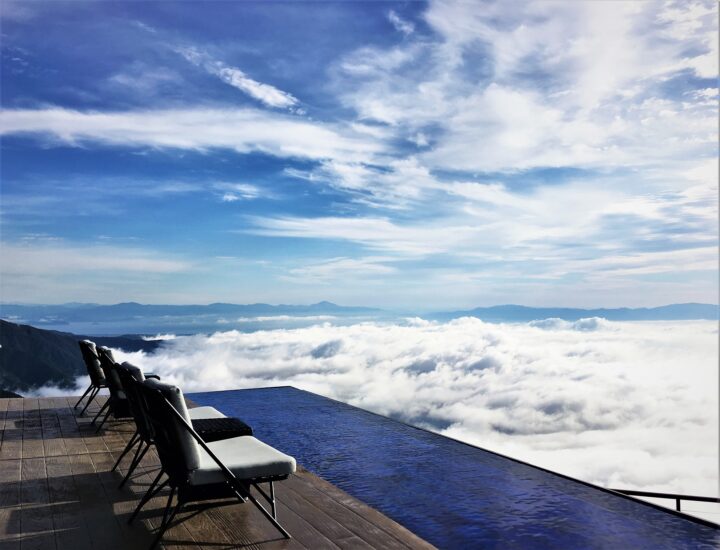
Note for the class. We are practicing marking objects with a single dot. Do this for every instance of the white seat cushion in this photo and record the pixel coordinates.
(201, 413)
(246, 457)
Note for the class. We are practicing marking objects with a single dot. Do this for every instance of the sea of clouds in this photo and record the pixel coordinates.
(619, 404)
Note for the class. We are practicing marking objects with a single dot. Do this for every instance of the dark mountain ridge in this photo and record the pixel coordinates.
(32, 357)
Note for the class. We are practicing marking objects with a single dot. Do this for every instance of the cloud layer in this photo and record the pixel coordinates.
(630, 405)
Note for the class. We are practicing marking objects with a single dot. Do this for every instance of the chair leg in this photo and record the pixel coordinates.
(90, 387)
(268, 515)
(90, 399)
(164, 524)
(133, 441)
(272, 500)
(151, 492)
(107, 414)
(139, 454)
(105, 406)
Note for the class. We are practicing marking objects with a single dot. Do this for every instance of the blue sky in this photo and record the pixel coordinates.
(413, 155)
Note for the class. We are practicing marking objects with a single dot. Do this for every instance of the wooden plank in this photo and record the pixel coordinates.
(102, 526)
(12, 439)
(69, 429)
(122, 506)
(116, 439)
(93, 440)
(68, 516)
(15, 405)
(31, 413)
(245, 526)
(3, 411)
(50, 426)
(323, 522)
(36, 521)
(150, 516)
(32, 440)
(223, 525)
(191, 528)
(300, 529)
(10, 474)
(366, 522)
(54, 442)
(32, 443)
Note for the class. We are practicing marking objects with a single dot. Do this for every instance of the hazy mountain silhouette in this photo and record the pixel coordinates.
(514, 313)
(70, 313)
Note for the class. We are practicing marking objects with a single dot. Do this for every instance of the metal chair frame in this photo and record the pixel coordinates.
(97, 378)
(144, 434)
(165, 419)
(116, 405)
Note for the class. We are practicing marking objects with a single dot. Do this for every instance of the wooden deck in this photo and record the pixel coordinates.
(57, 491)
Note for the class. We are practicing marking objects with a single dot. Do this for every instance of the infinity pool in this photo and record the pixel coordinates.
(451, 494)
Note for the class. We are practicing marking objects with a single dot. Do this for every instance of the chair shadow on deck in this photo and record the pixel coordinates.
(86, 510)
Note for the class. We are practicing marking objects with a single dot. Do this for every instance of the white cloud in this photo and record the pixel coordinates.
(335, 269)
(618, 404)
(537, 84)
(265, 93)
(59, 259)
(159, 337)
(51, 271)
(400, 24)
(144, 79)
(492, 220)
(239, 191)
(242, 130)
(48, 390)
(284, 318)
(376, 233)
(397, 184)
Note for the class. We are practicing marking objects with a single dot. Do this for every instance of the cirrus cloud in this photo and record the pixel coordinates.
(242, 130)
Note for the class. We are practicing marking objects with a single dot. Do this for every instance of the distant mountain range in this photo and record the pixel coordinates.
(134, 318)
(32, 357)
(197, 318)
(513, 313)
(79, 312)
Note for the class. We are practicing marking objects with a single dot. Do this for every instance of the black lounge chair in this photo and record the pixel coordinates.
(129, 375)
(210, 423)
(200, 471)
(117, 404)
(97, 377)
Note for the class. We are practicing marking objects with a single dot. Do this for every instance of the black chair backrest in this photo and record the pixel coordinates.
(131, 377)
(92, 362)
(107, 363)
(178, 451)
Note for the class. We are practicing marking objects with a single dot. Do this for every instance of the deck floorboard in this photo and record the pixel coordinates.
(58, 490)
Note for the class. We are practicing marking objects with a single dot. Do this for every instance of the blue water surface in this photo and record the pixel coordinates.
(451, 494)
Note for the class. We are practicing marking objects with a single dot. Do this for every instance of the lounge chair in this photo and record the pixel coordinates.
(117, 404)
(97, 378)
(199, 471)
(210, 423)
